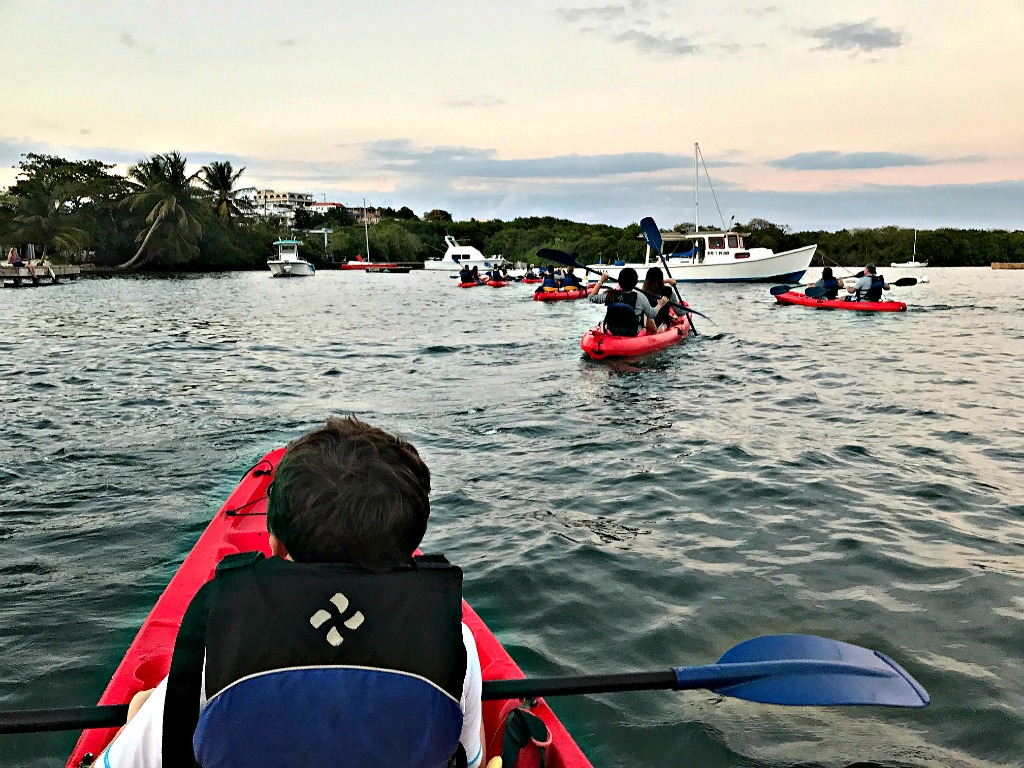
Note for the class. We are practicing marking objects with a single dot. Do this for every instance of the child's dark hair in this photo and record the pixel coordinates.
(350, 493)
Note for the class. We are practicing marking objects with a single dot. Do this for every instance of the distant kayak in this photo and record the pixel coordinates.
(468, 285)
(497, 283)
(599, 344)
(577, 293)
(800, 299)
(533, 280)
(241, 526)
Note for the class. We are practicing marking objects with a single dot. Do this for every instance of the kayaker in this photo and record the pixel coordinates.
(628, 309)
(476, 275)
(465, 275)
(570, 281)
(869, 287)
(348, 507)
(550, 282)
(829, 283)
(655, 286)
(529, 274)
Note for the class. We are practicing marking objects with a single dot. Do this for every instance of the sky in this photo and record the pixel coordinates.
(813, 114)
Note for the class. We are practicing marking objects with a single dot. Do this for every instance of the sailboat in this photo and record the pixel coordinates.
(721, 256)
(913, 261)
(369, 265)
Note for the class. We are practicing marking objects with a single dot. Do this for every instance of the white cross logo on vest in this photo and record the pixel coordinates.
(341, 603)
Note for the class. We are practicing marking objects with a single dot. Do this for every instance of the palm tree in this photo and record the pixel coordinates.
(165, 192)
(39, 218)
(218, 181)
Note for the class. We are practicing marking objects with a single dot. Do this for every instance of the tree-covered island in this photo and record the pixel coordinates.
(161, 217)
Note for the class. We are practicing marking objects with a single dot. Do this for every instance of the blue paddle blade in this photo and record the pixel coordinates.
(808, 671)
(778, 289)
(815, 293)
(651, 233)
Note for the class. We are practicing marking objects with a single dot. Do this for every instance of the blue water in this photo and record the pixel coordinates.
(788, 470)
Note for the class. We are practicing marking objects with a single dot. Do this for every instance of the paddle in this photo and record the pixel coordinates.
(793, 670)
(653, 237)
(569, 260)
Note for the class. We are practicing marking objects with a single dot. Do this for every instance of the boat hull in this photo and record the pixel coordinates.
(909, 264)
(600, 345)
(148, 658)
(799, 299)
(291, 268)
(785, 267)
(581, 293)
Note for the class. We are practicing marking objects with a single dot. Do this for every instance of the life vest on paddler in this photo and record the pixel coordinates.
(831, 286)
(620, 316)
(550, 282)
(874, 293)
(319, 664)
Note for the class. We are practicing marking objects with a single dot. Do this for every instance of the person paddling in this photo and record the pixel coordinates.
(476, 275)
(655, 286)
(465, 275)
(627, 309)
(570, 281)
(341, 649)
(550, 281)
(830, 283)
(869, 287)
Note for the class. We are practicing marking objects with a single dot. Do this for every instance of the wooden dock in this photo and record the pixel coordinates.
(21, 277)
(1007, 265)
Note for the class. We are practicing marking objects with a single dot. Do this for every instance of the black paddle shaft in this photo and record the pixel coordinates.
(67, 719)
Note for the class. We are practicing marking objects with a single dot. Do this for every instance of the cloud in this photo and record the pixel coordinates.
(645, 42)
(762, 10)
(288, 42)
(860, 37)
(129, 42)
(851, 161)
(603, 13)
(482, 102)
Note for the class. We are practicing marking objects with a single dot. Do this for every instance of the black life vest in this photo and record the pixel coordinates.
(831, 286)
(874, 293)
(319, 664)
(620, 317)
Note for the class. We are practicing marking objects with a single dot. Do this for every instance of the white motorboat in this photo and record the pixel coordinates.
(287, 262)
(913, 263)
(720, 256)
(459, 256)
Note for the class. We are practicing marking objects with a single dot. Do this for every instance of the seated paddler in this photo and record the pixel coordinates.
(342, 649)
(869, 286)
(829, 282)
(627, 309)
(551, 282)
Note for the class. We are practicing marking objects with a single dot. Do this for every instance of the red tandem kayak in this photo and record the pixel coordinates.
(600, 345)
(858, 306)
(577, 293)
(469, 285)
(533, 280)
(497, 283)
(240, 526)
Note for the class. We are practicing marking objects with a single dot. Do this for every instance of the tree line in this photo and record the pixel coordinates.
(158, 216)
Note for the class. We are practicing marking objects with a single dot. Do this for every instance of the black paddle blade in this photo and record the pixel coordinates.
(778, 289)
(814, 293)
(651, 233)
(561, 257)
(904, 282)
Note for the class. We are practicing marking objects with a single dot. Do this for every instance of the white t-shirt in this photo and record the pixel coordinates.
(139, 744)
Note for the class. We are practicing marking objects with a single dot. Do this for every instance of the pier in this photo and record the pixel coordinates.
(21, 277)
(1007, 265)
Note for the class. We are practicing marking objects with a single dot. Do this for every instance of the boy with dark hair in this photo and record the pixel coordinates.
(261, 673)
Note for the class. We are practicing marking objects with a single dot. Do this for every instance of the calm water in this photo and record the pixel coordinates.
(789, 470)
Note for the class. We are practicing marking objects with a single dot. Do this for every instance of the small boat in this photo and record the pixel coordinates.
(459, 256)
(800, 299)
(532, 280)
(148, 658)
(497, 283)
(469, 285)
(720, 256)
(599, 344)
(569, 295)
(913, 263)
(287, 262)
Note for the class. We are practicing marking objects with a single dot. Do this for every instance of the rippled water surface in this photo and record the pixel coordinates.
(789, 470)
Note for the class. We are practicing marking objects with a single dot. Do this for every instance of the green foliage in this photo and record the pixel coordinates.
(437, 215)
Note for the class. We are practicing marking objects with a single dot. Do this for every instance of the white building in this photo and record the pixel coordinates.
(269, 202)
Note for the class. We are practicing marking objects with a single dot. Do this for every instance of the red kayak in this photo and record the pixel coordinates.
(240, 526)
(599, 344)
(859, 306)
(468, 285)
(497, 283)
(533, 280)
(570, 295)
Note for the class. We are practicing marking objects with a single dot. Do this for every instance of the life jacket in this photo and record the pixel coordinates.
(874, 293)
(550, 282)
(620, 317)
(570, 281)
(831, 286)
(319, 664)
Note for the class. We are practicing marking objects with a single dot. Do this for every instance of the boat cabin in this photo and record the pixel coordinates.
(698, 247)
(287, 250)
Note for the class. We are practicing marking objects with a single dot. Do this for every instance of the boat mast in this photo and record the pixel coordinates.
(366, 230)
(696, 217)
